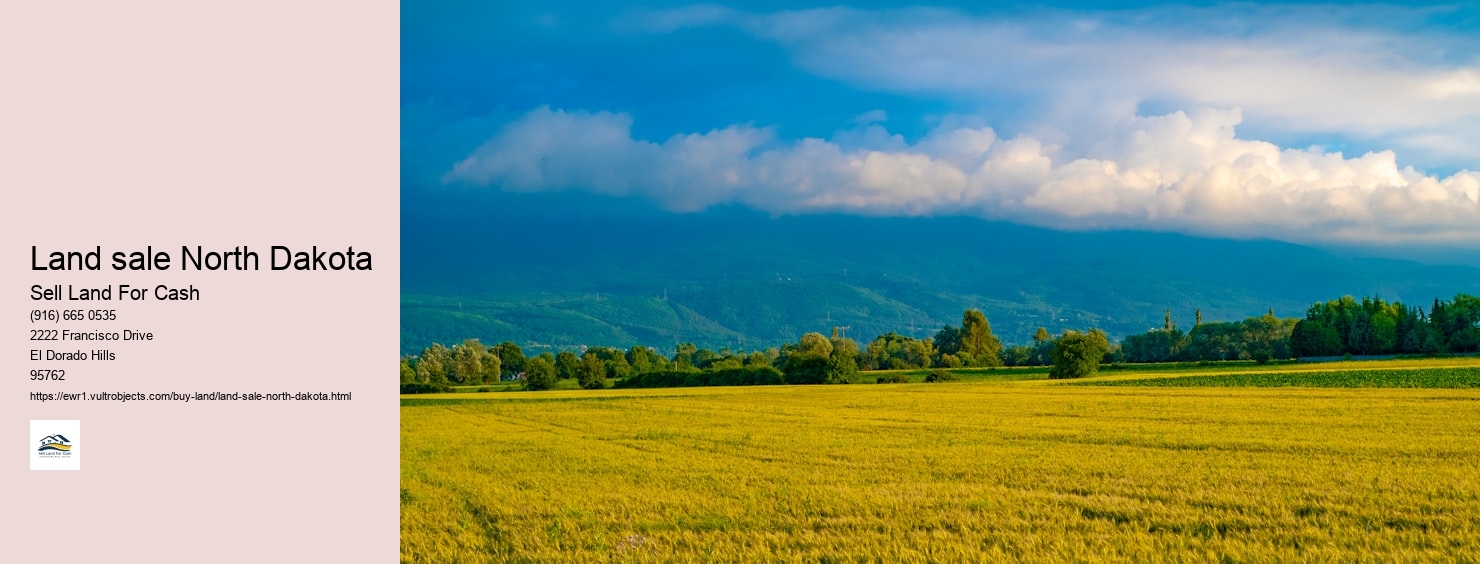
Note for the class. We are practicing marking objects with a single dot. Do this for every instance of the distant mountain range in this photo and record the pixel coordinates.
(743, 280)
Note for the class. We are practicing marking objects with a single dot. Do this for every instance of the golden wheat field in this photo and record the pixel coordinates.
(961, 471)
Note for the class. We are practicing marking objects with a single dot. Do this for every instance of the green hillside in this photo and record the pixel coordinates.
(753, 282)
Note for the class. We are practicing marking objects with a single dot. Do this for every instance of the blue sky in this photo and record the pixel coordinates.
(1322, 124)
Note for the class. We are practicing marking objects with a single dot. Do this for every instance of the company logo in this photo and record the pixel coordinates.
(57, 444)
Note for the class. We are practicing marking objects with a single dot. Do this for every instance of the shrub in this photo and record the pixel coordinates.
(939, 375)
(842, 367)
(591, 372)
(419, 388)
(896, 378)
(1076, 355)
(760, 375)
(1465, 340)
(539, 374)
(806, 369)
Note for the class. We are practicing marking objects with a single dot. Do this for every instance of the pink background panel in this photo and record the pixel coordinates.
(170, 123)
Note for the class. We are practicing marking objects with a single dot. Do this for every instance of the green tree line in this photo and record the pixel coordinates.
(1371, 326)
(812, 359)
(1336, 327)
(1257, 338)
(1374, 326)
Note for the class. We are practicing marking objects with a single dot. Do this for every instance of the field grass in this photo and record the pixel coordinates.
(511, 386)
(983, 469)
(1450, 377)
(998, 374)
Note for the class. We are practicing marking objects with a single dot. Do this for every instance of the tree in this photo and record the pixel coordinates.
(565, 365)
(726, 362)
(1076, 355)
(704, 357)
(1266, 336)
(1464, 311)
(809, 360)
(539, 374)
(492, 367)
(1021, 355)
(1465, 340)
(1431, 344)
(947, 341)
(591, 372)
(683, 357)
(1041, 336)
(1311, 338)
(1384, 332)
(977, 339)
(467, 362)
(878, 354)
(814, 343)
(408, 374)
(510, 357)
(919, 352)
(842, 362)
(894, 351)
(1411, 342)
(431, 366)
(1218, 341)
(614, 361)
(643, 359)
(757, 358)
(1157, 345)
(1362, 338)
(805, 369)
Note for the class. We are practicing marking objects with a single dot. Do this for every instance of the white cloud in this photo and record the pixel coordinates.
(1328, 70)
(1182, 172)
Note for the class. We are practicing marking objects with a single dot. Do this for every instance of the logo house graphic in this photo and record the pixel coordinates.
(54, 445)
(57, 444)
